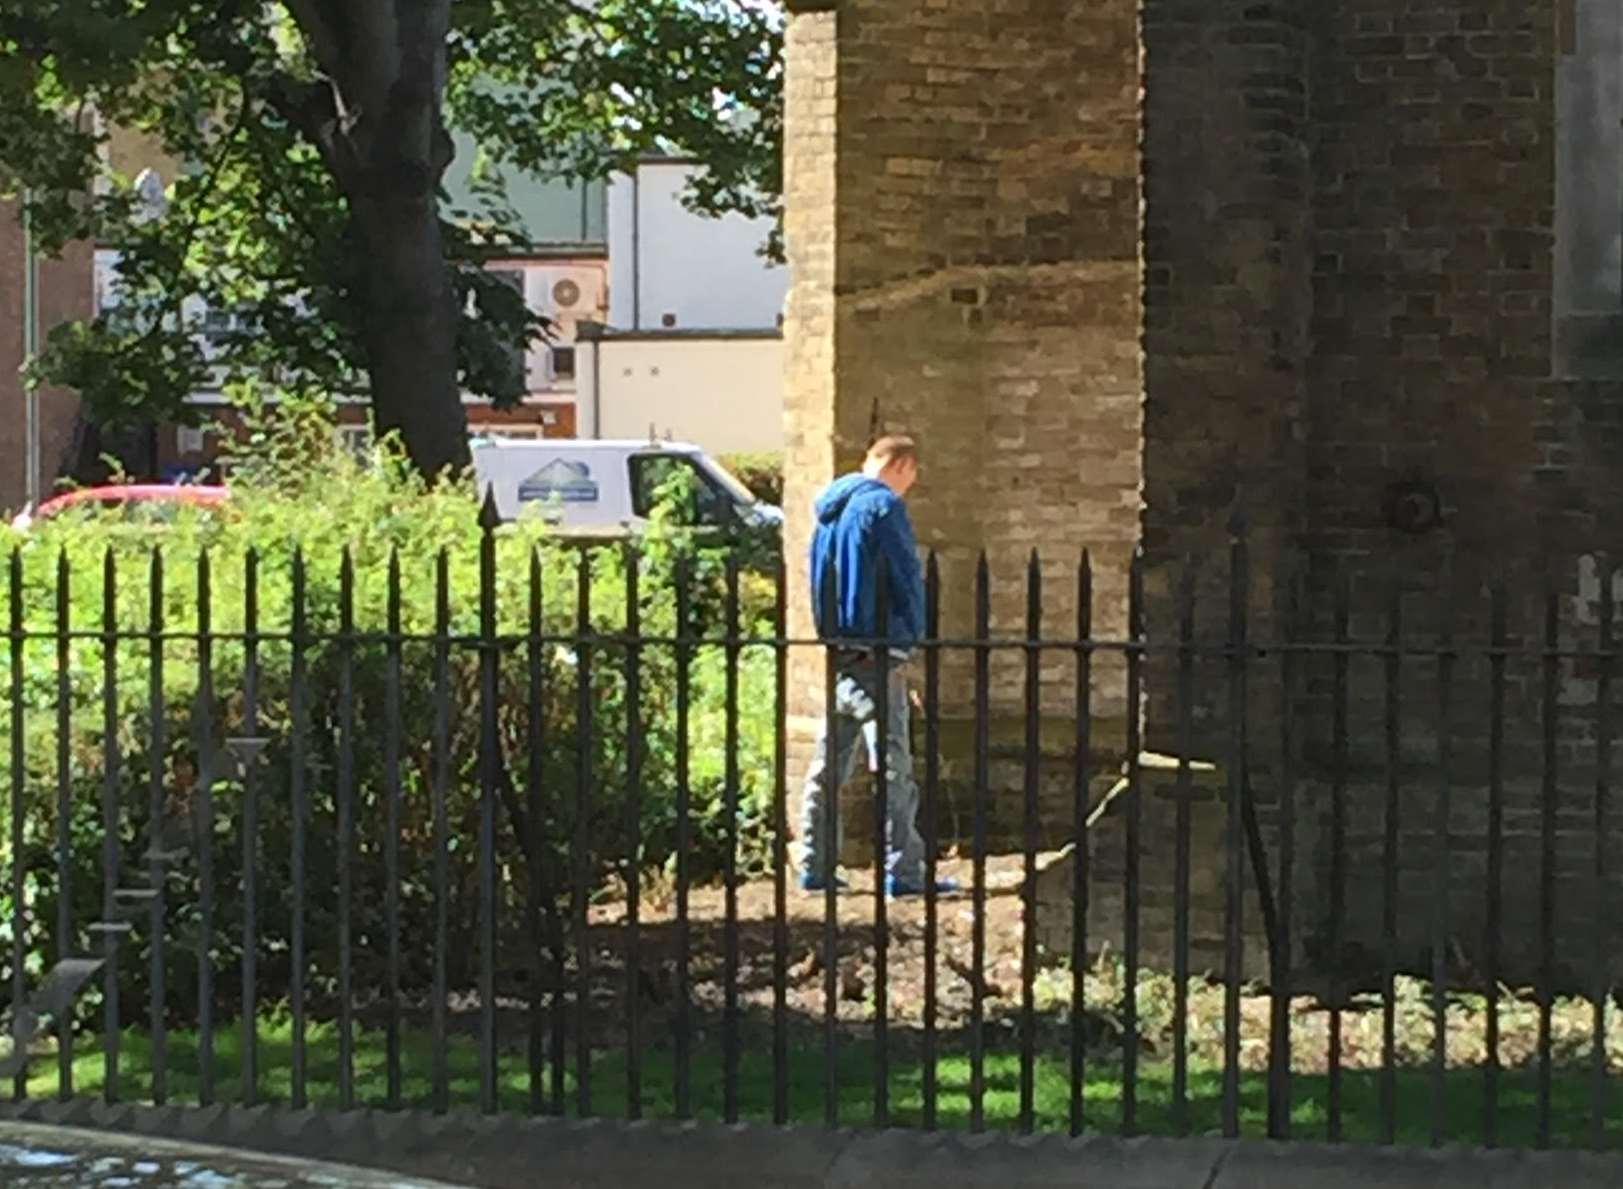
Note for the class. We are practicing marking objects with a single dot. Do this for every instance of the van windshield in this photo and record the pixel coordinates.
(693, 494)
(743, 495)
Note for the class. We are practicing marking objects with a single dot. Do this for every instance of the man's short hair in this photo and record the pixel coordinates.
(893, 447)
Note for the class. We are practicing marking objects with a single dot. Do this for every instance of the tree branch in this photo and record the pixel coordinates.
(594, 23)
(312, 109)
(173, 307)
(33, 37)
(373, 36)
(314, 19)
(308, 107)
(416, 92)
(295, 209)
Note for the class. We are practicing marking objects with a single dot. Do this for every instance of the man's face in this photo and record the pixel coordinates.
(900, 474)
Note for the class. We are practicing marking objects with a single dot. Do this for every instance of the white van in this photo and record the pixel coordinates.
(609, 488)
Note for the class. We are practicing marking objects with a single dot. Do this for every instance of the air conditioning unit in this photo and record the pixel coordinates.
(567, 293)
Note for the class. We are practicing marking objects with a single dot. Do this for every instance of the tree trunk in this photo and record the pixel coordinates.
(409, 328)
(377, 118)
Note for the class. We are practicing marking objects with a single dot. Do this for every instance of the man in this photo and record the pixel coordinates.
(862, 527)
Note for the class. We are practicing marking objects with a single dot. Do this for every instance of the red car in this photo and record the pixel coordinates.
(148, 497)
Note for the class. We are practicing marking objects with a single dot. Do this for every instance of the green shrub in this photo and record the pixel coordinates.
(760, 471)
(293, 497)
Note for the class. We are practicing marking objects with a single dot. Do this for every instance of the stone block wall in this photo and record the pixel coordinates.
(964, 236)
(1350, 236)
(1431, 365)
(1192, 807)
(1228, 304)
(1342, 283)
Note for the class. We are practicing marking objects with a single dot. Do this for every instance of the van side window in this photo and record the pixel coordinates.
(695, 499)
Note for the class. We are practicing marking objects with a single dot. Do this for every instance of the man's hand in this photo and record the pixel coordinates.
(915, 701)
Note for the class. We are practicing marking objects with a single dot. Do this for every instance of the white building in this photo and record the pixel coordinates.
(693, 345)
(569, 291)
(681, 314)
(674, 269)
(722, 389)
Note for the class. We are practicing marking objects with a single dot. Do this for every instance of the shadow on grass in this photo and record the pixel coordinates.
(1463, 1100)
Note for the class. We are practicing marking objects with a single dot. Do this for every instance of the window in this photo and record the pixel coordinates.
(221, 324)
(522, 433)
(189, 440)
(673, 479)
(357, 439)
(563, 363)
(106, 281)
(1587, 309)
(514, 279)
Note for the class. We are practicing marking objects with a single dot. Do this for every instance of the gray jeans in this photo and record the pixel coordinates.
(856, 731)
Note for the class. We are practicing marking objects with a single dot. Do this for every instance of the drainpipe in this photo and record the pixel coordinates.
(597, 389)
(592, 332)
(31, 432)
(636, 246)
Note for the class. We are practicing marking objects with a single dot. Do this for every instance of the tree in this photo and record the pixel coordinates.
(314, 136)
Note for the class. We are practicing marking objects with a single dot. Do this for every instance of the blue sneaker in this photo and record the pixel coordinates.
(898, 888)
(816, 883)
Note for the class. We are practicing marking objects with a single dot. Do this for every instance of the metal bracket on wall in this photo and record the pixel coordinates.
(61, 986)
(1414, 506)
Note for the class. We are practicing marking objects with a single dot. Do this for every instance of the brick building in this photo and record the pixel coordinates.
(1344, 263)
(64, 294)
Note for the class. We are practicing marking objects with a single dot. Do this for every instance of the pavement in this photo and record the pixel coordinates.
(35, 1156)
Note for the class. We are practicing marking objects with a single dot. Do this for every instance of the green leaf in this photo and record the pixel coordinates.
(271, 212)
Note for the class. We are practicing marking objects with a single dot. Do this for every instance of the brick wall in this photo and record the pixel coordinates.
(1349, 277)
(963, 185)
(1228, 304)
(1432, 269)
(1431, 362)
(1346, 256)
(809, 150)
(222, 426)
(65, 293)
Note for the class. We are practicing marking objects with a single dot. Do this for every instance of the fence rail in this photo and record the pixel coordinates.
(440, 845)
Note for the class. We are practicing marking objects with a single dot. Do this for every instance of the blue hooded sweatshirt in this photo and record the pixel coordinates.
(862, 524)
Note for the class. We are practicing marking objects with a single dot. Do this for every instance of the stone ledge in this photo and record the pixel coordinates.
(1206, 907)
(62, 1155)
(509, 1152)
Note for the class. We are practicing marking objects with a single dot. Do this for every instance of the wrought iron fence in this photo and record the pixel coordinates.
(522, 863)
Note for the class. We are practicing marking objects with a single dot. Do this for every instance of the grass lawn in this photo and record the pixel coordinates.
(1361, 1111)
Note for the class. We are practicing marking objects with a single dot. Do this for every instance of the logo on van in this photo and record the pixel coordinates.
(560, 479)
